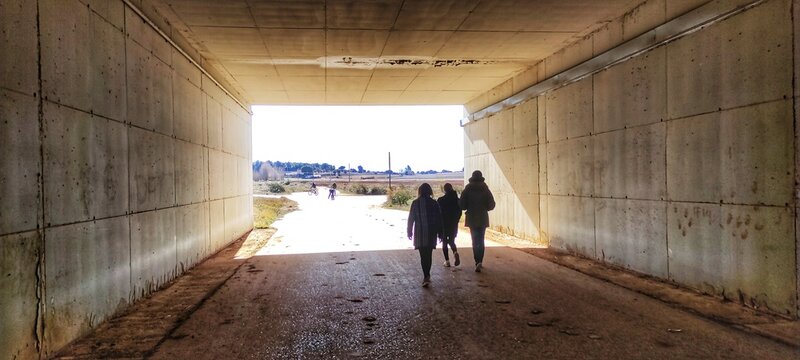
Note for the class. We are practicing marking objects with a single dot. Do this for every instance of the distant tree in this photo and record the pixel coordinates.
(407, 170)
(272, 172)
(307, 170)
(342, 168)
(360, 169)
(257, 170)
(264, 170)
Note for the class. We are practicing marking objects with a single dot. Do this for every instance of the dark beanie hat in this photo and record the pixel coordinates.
(477, 176)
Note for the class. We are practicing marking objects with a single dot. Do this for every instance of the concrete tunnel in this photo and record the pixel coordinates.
(659, 136)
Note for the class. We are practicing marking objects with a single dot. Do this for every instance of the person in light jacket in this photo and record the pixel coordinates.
(451, 214)
(425, 226)
(477, 200)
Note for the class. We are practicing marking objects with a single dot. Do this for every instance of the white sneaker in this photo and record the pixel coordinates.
(478, 267)
(447, 263)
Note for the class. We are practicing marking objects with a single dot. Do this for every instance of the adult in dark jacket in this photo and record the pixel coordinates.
(451, 214)
(425, 225)
(477, 200)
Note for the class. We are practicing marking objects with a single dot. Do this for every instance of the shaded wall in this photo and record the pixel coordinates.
(678, 163)
(121, 166)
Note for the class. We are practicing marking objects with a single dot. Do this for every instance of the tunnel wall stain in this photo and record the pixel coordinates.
(679, 163)
(122, 166)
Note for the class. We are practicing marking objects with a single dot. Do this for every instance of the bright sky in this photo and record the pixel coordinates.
(424, 137)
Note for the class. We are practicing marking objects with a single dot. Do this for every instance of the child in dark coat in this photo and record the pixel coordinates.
(451, 215)
(425, 226)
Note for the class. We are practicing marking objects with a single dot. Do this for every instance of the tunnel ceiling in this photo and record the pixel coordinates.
(379, 51)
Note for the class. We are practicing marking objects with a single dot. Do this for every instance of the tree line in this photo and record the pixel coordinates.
(276, 170)
(265, 170)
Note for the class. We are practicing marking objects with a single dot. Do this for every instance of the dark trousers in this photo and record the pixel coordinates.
(478, 247)
(426, 258)
(450, 232)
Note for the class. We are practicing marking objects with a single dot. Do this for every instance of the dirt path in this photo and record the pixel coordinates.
(346, 224)
(339, 280)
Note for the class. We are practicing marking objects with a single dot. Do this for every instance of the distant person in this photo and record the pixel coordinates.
(451, 214)
(477, 200)
(332, 192)
(425, 225)
(313, 189)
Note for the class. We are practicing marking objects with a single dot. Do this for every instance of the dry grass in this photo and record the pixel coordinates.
(263, 187)
(267, 210)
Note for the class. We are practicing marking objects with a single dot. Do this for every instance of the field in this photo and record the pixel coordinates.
(404, 188)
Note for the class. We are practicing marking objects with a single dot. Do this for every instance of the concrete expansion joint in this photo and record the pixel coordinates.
(38, 330)
(785, 206)
(154, 131)
(40, 308)
(796, 32)
(626, 127)
(3, 88)
(127, 213)
(86, 111)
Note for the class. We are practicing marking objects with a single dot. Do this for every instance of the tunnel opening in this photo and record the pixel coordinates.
(423, 140)
(352, 146)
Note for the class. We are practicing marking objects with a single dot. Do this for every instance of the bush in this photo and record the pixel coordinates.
(363, 190)
(401, 196)
(357, 189)
(376, 191)
(275, 187)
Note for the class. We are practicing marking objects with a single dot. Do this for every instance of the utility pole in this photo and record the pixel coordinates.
(390, 171)
(348, 172)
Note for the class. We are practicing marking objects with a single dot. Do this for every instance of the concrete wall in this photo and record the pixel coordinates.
(121, 166)
(678, 163)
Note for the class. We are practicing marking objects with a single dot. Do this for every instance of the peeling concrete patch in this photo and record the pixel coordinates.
(355, 62)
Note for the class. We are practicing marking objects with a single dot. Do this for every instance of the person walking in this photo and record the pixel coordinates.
(332, 192)
(477, 200)
(451, 214)
(424, 226)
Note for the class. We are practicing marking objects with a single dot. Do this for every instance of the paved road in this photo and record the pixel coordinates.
(339, 280)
